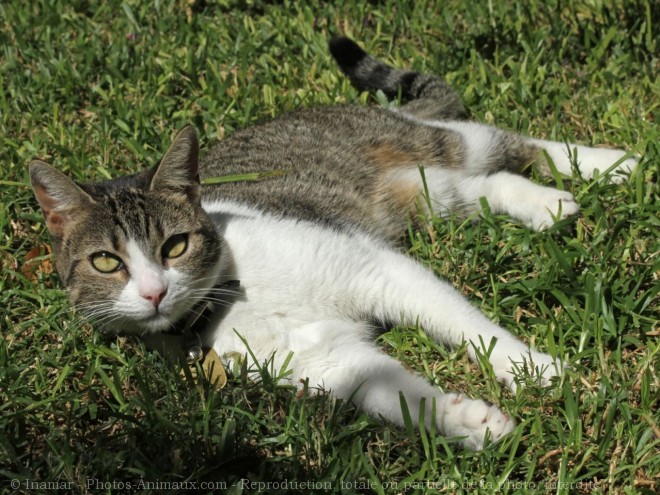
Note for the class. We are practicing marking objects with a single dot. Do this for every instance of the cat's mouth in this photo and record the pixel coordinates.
(170, 320)
(166, 317)
(184, 318)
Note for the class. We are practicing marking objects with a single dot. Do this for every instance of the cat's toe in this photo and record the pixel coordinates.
(497, 424)
(479, 421)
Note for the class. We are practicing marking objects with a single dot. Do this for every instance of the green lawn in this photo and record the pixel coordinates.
(99, 88)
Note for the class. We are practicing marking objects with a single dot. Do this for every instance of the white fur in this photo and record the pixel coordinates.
(311, 291)
(479, 138)
(480, 141)
(148, 277)
(536, 206)
(588, 159)
(144, 274)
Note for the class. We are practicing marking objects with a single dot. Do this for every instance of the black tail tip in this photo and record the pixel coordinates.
(346, 52)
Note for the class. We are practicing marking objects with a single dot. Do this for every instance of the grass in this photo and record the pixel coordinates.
(98, 89)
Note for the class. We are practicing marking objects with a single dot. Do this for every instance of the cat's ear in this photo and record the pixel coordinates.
(178, 170)
(61, 199)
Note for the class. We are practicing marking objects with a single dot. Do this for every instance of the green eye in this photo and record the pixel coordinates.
(175, 246)
(106, 262)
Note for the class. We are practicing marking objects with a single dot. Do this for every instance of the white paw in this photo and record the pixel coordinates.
(551, 205)
(475, 420)
(603, 159)
(609, 162)
(541, 367)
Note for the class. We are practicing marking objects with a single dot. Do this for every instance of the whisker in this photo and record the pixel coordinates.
(217, 292)
(219, 302)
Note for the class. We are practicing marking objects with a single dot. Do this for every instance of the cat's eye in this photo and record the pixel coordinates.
(106, 262)
(175, 246)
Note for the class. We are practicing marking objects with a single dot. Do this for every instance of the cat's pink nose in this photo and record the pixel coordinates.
(154, 297)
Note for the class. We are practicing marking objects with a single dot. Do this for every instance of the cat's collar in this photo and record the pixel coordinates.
(194, 321)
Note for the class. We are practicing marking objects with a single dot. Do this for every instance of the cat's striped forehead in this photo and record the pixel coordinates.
(136, 215)
(126, 215)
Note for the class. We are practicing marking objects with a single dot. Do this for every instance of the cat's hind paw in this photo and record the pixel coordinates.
(475, 420)
(536, 365)
(611, 163)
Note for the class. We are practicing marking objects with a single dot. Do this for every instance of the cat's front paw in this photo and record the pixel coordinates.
(476, 420)
(537, 365)
(550, 206)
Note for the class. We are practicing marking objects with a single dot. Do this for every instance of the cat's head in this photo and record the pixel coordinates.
(135, 253)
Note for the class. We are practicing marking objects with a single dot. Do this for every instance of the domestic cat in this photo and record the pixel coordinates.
(301, 265)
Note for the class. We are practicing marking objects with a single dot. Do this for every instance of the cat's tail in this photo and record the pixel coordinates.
(369, 74)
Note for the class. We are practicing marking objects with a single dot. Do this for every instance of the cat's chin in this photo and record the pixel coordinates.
(150, 326)
(156, 324)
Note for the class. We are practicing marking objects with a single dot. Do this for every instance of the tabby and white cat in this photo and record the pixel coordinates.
(316, 249)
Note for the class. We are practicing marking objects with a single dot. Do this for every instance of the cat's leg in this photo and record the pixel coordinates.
(489, 149)
(335, 356)
(492, 160)
(538, 207)
(400, 291)
(617, 163)
(490, 166)
(339, 357)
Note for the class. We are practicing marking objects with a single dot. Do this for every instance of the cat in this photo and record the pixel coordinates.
(300, 266)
